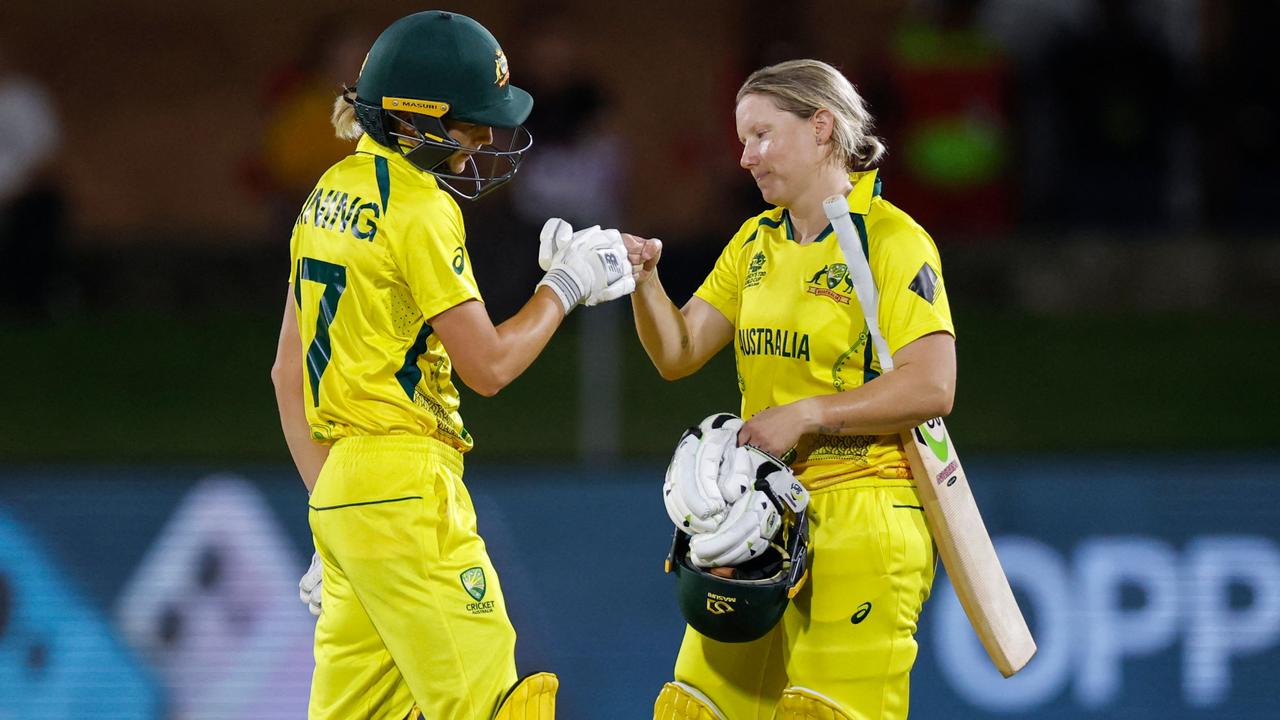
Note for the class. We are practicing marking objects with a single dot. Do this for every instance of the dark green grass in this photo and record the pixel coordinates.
(133, 387)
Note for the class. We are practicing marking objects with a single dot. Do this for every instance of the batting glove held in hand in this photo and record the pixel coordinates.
(309, 587)
(700, 466)
(588, 267)
(753, 468)
(758, 488)
(556, 236)
(751, 523)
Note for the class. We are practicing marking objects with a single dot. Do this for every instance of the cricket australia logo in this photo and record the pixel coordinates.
(826, 281)
(501, 71)
(755, 271)
(473, 582)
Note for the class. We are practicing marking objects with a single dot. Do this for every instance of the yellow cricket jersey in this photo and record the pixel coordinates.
(377, 250)
(799, 330)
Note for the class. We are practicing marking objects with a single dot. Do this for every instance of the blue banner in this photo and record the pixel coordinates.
(1152, 587)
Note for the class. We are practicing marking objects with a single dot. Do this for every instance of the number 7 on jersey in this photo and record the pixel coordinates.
(334, 279)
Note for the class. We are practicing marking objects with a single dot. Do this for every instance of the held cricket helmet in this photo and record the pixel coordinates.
(749, 604)
(431, 66)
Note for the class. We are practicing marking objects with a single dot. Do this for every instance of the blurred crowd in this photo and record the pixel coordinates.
(1002, 117)
(32, 199)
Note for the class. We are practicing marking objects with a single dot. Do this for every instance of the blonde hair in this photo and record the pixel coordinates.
(345, 125)
(803, 87)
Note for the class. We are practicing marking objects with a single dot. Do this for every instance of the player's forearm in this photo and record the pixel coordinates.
(308, 455)
(286, 376)
(663, 331)
(519, 340)
(889, 404)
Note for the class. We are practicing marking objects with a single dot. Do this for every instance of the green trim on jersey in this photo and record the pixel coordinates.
(384, 180)
(322, 508)
(409, 374)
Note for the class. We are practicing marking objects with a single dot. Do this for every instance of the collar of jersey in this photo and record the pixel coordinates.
(866, 186)
(369, 146)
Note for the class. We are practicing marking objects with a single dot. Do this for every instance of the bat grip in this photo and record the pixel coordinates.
(837, 209)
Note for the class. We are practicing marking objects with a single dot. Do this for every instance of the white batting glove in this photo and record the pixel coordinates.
(745, 533)
(755, 480)
(309, 587)
(702, 461)
(749, 465)
(558, 239)
(556, 236)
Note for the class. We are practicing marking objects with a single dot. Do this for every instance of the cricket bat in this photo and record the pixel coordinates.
(957, 527)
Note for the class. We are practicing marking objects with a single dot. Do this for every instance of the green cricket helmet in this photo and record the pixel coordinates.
(749, 604)
(434, 66)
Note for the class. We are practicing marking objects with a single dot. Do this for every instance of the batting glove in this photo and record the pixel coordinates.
(759, 489)
(701, 464)
(555, 238)
(309, 590)
(558, 239)
(751, 523)
(753, 468)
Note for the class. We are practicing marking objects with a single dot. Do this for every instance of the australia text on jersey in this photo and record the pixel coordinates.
(773, 341)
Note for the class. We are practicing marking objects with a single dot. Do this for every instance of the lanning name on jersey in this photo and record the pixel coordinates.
(336, 210)
(773, 341)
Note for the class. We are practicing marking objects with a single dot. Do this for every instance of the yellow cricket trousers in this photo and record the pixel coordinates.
(849, 633)
(413, 614)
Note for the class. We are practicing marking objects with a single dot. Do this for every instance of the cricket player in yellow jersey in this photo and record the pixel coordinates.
(810, 381)
(382, 310)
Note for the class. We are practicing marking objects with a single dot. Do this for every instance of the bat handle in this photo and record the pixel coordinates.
(837, 209)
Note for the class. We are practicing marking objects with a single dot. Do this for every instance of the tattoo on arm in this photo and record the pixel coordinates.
(831, 429)
(684, 339)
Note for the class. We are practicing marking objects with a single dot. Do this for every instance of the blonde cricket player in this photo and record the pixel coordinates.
(810, 380)
(382, 310)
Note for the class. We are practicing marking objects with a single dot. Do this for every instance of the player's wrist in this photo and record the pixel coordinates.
(565, 286)
(813, 416)
(649, 285)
